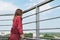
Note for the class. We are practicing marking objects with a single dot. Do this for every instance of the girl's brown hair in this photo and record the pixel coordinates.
(17, 13)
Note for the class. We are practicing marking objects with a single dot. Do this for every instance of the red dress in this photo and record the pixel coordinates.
(17, 29)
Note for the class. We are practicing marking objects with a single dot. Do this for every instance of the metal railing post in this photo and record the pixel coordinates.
(37, 23)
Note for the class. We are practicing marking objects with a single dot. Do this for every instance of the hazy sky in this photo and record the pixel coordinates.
(9, 7)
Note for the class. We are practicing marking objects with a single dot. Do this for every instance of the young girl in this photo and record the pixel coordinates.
(17, 29)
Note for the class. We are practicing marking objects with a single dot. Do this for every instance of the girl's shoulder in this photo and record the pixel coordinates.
(18, 16)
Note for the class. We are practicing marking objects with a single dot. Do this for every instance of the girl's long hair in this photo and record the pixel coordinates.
(16, 13)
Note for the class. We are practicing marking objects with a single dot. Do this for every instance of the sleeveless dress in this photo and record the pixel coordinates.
(16, 29)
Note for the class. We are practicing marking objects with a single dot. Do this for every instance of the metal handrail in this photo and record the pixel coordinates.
(38, 5)
(37, 21)
(34, 13)
(38, 29)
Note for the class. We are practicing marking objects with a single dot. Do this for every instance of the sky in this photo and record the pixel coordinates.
(9, 7)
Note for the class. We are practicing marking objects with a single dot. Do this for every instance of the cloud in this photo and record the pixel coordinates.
(44, 7)
(6, 6)
(36, 0)
(31, 0)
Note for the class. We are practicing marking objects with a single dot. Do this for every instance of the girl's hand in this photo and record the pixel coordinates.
(22, 35)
